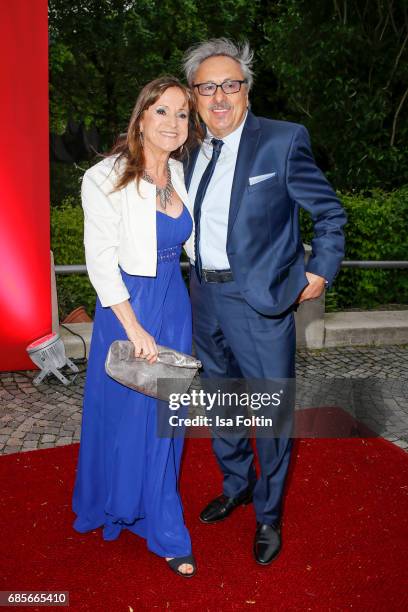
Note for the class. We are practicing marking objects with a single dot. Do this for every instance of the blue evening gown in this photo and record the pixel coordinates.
(127, 477)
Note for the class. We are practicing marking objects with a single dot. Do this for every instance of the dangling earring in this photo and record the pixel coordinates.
(141, 137)
(181, 149)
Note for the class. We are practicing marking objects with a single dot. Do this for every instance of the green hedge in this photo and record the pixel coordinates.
(376, 230)
(67, 229)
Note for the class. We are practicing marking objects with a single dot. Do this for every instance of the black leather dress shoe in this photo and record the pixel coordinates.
(221, 507)
(267, 543)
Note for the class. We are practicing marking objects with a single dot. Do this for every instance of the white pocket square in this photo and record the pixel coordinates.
(253, 180)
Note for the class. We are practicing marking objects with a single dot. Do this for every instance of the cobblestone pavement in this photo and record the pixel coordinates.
(369, 383)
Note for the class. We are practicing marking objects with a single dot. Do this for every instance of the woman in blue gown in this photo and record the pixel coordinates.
(127, 476)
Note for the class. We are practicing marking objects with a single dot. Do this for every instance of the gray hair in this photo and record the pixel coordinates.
(214, 47)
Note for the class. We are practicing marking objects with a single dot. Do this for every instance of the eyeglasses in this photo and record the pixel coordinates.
(228, 87)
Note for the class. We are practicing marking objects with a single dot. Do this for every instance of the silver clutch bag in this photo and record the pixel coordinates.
(173, 371)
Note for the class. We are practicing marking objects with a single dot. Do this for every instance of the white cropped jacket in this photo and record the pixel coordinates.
(120, 228)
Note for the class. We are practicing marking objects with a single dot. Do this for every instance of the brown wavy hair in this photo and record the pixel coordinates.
(129, 147)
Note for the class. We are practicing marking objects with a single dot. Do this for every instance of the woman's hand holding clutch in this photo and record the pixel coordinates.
(145, 345)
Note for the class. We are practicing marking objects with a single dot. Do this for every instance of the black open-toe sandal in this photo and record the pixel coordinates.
(175, 563)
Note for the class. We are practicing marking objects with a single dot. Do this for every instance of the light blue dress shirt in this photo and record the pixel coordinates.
(216, 203)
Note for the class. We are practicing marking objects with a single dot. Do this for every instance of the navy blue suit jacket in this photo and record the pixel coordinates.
(264, 245)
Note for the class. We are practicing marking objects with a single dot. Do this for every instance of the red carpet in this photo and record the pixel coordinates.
(345, 537)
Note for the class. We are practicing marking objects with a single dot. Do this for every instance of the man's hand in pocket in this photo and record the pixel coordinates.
(314, 289)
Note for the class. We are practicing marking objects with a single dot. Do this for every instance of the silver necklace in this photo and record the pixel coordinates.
(164, 193)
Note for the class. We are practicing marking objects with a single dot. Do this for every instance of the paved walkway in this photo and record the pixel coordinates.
(370, 383)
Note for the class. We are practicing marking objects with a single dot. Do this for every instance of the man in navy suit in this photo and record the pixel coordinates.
(247, 182)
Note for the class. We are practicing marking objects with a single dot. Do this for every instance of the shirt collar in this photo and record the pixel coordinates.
(232, 140)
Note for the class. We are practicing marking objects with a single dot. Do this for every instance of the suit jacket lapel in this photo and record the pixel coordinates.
(189, 166)
(246, 152)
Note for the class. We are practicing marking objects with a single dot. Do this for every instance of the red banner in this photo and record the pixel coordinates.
(25, 295)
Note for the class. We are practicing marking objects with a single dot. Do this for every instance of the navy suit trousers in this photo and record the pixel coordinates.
(234, 340)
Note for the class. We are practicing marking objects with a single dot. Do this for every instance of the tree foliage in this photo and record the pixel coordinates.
(339, 67)
(103, 51)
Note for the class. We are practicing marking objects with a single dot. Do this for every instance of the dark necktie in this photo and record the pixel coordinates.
(201, 190)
